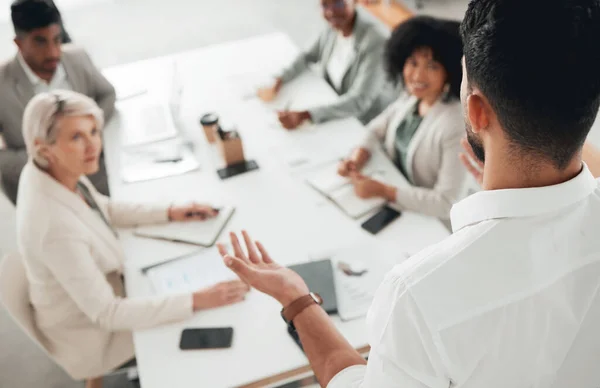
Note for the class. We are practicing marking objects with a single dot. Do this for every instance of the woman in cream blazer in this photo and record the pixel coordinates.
(421, 131)
(71, 252)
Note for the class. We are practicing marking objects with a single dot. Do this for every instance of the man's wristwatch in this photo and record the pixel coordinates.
(290, 312)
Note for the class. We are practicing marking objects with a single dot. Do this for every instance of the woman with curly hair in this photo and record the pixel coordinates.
(422, 129)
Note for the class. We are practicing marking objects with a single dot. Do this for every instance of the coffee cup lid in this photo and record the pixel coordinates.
(209, 119)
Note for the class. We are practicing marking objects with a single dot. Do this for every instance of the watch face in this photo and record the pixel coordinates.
(317, 298)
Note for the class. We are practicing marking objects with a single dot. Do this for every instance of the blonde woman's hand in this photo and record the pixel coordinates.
(192, 212)
(221, 294)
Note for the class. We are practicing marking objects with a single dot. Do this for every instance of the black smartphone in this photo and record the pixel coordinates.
(380, 220)
(237, 169)
(208, 338)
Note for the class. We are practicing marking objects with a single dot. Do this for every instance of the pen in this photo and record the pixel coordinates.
(174, 160)
(194, 214)
(148, 268)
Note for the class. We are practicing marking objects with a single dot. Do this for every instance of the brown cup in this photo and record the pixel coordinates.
(210, 124)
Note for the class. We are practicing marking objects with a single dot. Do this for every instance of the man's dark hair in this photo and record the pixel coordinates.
(538, 64)
(441, 36)
(28, 15)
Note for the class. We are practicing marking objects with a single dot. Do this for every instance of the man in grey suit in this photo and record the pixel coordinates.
(43, 64)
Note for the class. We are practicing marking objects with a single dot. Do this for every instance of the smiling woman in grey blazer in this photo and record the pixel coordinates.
(421, 131)
(349, 52)
(71, 251)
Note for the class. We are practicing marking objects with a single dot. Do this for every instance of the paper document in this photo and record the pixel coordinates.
(341, 190)
(190, 274)
(156, 161)
(246, 85)
(358, 271)
(304, 92)
(203, 233)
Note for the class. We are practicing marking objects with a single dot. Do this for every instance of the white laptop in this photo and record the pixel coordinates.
(154, 121)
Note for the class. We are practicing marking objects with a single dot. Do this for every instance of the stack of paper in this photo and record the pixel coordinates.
(359, 270)
(150, 122)
(341, 190)
(203, 233)
(156, 161)
(189, 274)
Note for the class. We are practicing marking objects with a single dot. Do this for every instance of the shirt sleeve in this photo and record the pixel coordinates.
(351, 377)
(403, 352)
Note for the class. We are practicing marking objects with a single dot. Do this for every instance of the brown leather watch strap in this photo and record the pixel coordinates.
(296, 307)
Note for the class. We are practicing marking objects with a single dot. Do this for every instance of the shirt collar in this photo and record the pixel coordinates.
(34, 79)
(515, 203)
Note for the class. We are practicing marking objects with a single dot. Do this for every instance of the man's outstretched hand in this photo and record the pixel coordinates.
(258, 270)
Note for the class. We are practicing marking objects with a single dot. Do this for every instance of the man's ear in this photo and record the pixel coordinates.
(478, 112)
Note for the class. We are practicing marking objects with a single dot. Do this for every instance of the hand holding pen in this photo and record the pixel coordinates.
(192, 212)
(268, 94)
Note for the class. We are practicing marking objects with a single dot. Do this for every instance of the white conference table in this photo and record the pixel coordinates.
(274, 204)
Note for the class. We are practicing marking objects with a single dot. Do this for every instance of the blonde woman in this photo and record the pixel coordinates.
(71, 250)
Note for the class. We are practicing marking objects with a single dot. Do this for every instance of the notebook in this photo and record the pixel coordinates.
(341, 191)
(359, 271)
(203, 233)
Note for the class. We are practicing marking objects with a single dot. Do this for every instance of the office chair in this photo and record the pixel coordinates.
(14, 295)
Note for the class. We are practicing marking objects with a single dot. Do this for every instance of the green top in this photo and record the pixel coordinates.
(404, 134)
(91, 202)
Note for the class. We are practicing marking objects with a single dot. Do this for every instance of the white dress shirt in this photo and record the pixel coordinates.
(341, 59)
(511, 299)
(58, 81)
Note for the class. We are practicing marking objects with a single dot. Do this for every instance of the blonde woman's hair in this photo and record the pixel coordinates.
(42, 113)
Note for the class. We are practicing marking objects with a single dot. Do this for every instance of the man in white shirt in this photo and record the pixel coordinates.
(512, 298)
(42, 65)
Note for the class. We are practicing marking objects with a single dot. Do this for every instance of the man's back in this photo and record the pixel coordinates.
(512, 299)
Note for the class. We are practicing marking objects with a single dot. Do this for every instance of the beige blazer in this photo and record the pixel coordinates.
(73, 262)
(15, 92)
(437, 176)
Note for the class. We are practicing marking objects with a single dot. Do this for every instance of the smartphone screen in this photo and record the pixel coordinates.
(237, 169)
(209, 338)
(380, 220)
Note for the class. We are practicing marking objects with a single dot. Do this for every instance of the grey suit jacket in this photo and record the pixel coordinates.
(365, 91)
(15, 92)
